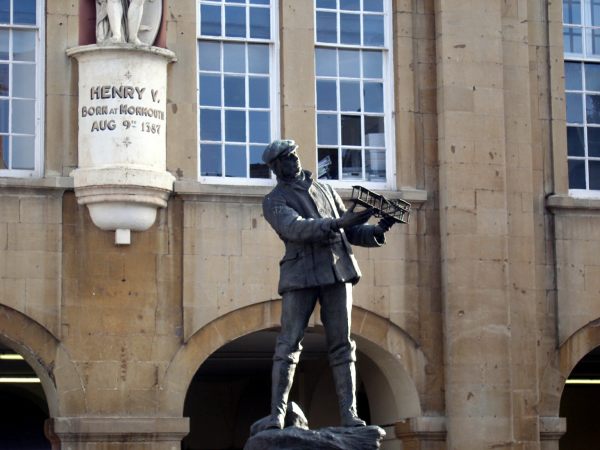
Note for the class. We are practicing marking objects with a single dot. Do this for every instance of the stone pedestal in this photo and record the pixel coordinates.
(122, 175)
(126, 433)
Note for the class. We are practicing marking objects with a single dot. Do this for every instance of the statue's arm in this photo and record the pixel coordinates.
(290, 226)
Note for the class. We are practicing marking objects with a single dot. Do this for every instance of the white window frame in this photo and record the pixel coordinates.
(582, 58)
(274, 91)
(37, 171)
(389, 112)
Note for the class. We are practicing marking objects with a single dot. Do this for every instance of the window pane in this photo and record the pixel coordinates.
(373, 97)
(328, 164)
(327, 129)
(373, 30)
(326, 62)
(235, 91)
(594, 177)
(4, 152)
(24, 13)
(235, 1)
(374, 131)
(24, 45)
(350, 5)
(210, 125)
(258, 58)
(235, 126)
(350, 96)
(23, 116)
(326, 27)
(209, 56)
(375, 165)
(593, 135)
(260, 23)
(210, 160)
(574, 105)
(572, 11)
(259, 2)
(4, 116)
(234, 58)
(235, 161)
(210, 90)
(595, 12)
(573, 76)
(235, 21)
(4, 79)
(575, 143)
(349, 63)
(23, 80)
(351, 134)
(592, 108)
(329, 4)
(351, 164)
(373, 5)
(350, 28)
(259, 126)
(259, 92)
(372, 64)
(4, 11)
(258, 169)
(210, 20)
(577, 174)
(572, 40)
(592, 77)
(326, 95)
(23, 151)
(593, 39)
(4, 50)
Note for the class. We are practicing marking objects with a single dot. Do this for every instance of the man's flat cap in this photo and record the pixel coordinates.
(278, 148)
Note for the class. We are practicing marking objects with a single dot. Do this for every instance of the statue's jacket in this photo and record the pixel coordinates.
(302, 213)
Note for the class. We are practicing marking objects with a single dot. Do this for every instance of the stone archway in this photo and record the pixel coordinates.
(553, 382)
(43, 352)
(397, 356)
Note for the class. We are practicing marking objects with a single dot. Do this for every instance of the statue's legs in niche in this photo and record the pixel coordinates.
(134, 20)
(115, 17)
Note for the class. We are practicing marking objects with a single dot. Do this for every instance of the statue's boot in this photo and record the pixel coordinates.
(282, 377)
(344, 376)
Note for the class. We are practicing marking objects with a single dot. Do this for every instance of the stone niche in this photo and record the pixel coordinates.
(121, 175)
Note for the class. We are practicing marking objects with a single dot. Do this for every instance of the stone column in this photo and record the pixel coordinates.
(487, 223)
(126, 433)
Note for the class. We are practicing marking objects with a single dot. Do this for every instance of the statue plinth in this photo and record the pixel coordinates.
(122, 175)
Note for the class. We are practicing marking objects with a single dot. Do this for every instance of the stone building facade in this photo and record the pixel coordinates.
(468, 322)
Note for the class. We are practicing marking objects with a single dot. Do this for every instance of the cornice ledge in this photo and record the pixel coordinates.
(565, 203)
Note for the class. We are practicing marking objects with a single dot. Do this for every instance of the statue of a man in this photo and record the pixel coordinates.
(317, 231)
(118, 21)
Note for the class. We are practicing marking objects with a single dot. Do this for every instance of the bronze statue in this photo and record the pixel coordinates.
(318, 264)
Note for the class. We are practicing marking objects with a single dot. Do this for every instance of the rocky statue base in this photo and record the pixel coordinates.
(297, 436)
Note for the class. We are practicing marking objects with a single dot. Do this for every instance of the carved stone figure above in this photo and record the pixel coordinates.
(128, 21)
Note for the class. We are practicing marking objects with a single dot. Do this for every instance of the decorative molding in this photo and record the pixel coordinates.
(118, 429)
(422, 428)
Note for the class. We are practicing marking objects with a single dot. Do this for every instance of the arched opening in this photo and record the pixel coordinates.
(231, 390)
(579, 403)
(25, 407)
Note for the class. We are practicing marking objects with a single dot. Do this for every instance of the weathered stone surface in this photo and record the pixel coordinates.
(332, 438)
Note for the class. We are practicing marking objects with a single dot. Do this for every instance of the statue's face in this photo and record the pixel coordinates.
(288, 167)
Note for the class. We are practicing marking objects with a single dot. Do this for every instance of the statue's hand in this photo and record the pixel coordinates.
(351, 218)
(385, 224)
